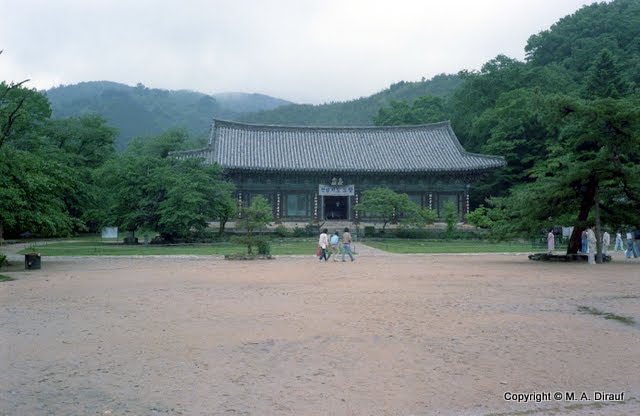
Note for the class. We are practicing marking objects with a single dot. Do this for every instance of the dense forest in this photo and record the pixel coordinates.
(567, 120)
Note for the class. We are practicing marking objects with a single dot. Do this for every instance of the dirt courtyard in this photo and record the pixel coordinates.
(384, 335)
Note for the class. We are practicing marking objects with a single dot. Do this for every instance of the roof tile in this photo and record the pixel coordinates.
(424, 148)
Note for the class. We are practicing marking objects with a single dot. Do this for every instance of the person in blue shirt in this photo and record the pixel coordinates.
(335, 240)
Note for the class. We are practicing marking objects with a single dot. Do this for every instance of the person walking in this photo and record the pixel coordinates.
(551, 241)
(591, 241)
(606, 240)
(323, 242)
(618, 243)
(335, 240)
(584, 241)
(346, 244)
(631, 247)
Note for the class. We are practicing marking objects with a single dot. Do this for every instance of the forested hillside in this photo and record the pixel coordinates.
(567, 120)
(358, 112)
(140, 111)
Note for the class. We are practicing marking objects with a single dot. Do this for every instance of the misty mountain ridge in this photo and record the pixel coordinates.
(138, 111)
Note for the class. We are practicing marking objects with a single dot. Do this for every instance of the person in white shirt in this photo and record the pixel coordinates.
(631, 248)
(323, 242)
(606, 240)
(591, 242)
(551, 241)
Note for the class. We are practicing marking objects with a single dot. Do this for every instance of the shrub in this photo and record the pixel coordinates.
(298, 232)
(263, 245)
(451, 218)
(407, 232)
(281, 231)
(369, 231)
(311, 230)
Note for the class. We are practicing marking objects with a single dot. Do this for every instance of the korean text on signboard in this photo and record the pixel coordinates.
(331, 190)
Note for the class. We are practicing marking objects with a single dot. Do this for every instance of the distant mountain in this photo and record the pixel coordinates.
(359, 112)
(141, 111)
(240, 103)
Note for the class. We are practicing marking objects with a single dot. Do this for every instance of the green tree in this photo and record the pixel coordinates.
(132, 188)
(518, 131)
(173, 197)
(83, 144)
(254, 218)
(390, 205)
(32, 191)
(596, 160)
(22, 110)
(194, 195)
(44, 185)
(605, 79)
(450, 215)
(479, 217)
(162, 144)
(226, 210)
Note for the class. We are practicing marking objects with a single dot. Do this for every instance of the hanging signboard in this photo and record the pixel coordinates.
(332, 190)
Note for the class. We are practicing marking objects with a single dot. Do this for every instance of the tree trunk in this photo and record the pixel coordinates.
(223, 223)
(588, 200)
(598, 233)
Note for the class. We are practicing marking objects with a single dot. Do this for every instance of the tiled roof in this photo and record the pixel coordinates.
(425, 148)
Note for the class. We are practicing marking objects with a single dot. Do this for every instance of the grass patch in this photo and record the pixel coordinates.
(5, 278)
(95, 246)
(100, 248)
(455, 246)
(606, 315)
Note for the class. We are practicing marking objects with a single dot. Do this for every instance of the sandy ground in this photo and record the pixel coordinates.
(384, 335)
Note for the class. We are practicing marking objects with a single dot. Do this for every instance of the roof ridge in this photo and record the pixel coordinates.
(217, 123)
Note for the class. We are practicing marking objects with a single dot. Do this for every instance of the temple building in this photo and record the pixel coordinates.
(319, 173)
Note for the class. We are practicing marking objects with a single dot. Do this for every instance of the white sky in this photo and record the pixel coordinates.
(306, 51)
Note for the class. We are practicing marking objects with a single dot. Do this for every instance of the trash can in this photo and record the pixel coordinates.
(32, 261)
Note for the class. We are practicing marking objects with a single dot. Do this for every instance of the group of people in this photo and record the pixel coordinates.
(633, 241)
(334, 243)
(589, 242)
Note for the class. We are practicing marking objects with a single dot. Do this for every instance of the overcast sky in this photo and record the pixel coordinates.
(306, 51)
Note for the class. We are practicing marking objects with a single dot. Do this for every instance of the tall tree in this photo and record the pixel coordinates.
(144, 188)
(597, 151)
(37, 180)
(518, 131)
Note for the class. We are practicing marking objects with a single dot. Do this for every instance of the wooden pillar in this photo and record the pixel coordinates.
(278, 207)
(315, 206)
(356, 198)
